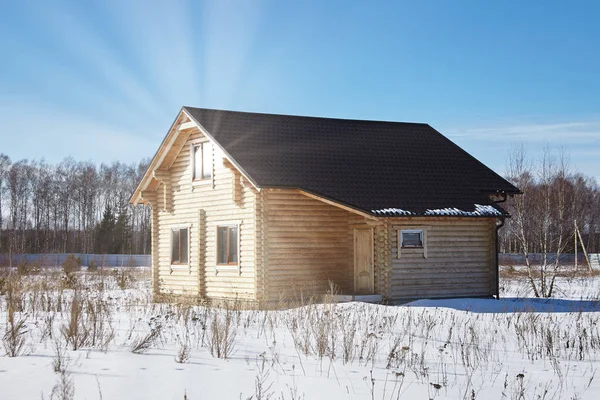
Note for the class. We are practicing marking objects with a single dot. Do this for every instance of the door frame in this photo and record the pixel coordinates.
(372, 281)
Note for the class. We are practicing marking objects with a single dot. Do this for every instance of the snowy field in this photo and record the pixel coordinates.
(99, 336)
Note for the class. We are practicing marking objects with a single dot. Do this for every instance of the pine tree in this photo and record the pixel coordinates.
(105, 232)
(122, 234)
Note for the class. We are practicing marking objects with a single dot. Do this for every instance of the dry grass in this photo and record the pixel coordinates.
(564, 271)
(451, 353)
(15, 339)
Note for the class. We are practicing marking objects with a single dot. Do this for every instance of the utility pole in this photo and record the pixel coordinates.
(575, 236)
(578, 234)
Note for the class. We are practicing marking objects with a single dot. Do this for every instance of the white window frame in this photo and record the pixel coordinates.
(180, 266)
(421, 238)
(411, 249)
(228, 267)
(201, 181)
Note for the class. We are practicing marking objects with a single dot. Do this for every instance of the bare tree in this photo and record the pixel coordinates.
(66, 182)
(86, 190)
(544, 216)
(519, 172)
(18, 188)
(46, 208)
(4, 167)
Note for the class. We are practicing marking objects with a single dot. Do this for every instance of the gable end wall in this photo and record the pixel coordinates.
(202, 207)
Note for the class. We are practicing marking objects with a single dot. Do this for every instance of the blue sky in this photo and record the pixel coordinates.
(103, 80)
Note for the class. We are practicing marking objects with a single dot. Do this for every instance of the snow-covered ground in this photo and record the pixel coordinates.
(515, 348)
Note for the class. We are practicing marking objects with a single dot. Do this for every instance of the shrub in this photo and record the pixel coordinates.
(76, 333)
(60, 360)
(183, 354)
(92, 266)
(15, 295)
(121, 278)
(71, 264)
(64, 388)
(3, 280)
(23, 268)
(14, 338)
(101, 333)
(36, 267)
(141, 345)
(69, 280)
(221, 339)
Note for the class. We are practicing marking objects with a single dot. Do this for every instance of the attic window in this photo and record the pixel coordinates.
(411, 238)
(202, 161)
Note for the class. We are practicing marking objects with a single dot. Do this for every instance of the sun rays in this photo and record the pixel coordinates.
(119, 71)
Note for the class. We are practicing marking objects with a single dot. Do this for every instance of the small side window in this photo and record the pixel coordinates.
(411, 238)
(179, 246)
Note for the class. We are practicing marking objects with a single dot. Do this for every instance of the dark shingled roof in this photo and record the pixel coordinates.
(367, 165)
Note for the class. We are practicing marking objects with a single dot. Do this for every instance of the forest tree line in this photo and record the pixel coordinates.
(557, 204)
(71, 207)
(81, 207)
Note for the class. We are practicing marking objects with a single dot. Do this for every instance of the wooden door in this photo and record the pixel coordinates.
(363, 261)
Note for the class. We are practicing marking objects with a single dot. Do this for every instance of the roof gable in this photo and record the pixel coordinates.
(169, 149)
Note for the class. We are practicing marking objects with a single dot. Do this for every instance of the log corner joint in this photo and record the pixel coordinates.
(164, 177)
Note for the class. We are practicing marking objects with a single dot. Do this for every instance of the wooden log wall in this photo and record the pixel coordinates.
(309, 244)
(382, 259)
(460, 259)
(226, 197)
(152, 199)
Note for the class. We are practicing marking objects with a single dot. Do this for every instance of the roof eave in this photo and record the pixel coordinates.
(156, 159)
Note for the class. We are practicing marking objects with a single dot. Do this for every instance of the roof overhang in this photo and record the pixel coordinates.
(147, 179)
(336, 204)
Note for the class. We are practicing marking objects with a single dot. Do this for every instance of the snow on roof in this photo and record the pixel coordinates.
(391, 211)
(480, 211)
